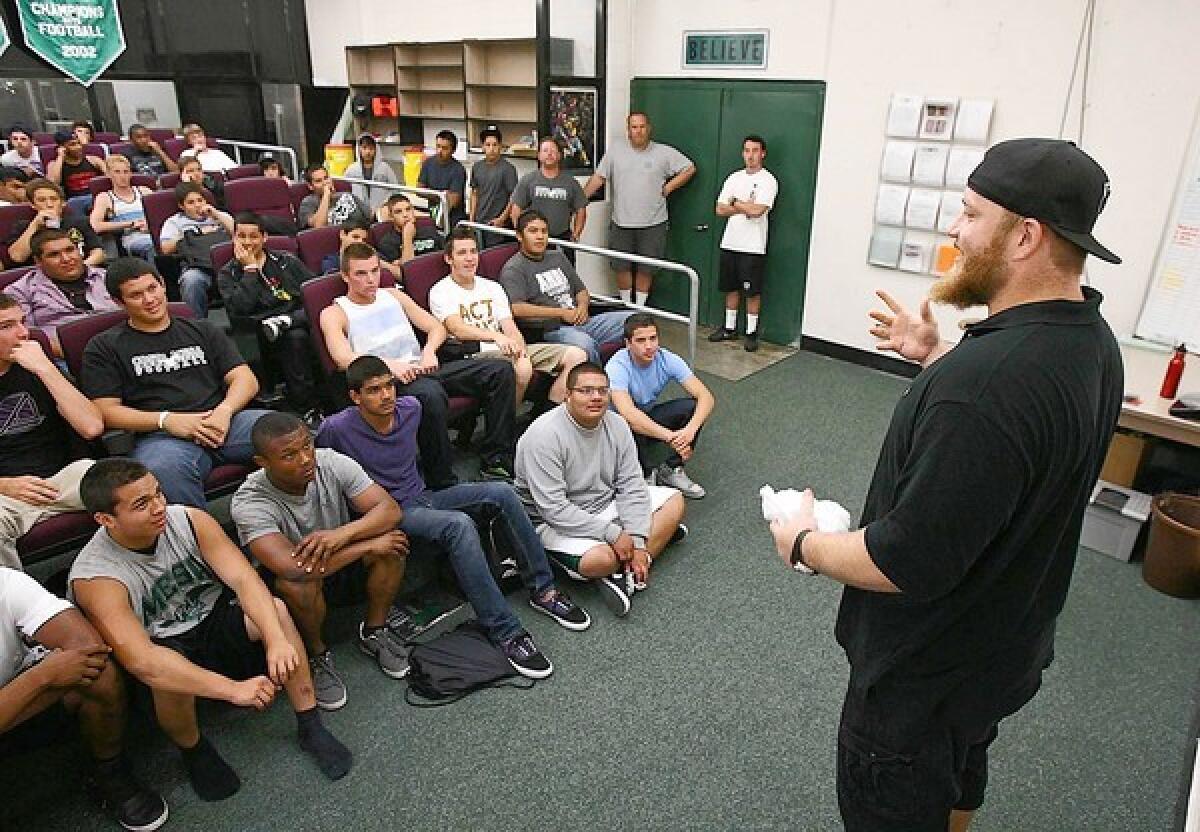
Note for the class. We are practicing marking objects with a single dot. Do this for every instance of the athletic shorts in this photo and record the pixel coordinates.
(545, 357)
(569, 550)
(742, 271)
(650, 241)
(220, 642)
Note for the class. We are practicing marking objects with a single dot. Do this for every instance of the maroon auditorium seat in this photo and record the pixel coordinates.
(264, 196)
(222, 253)
(95, 149)
(173, 147)
(55, 536)
(160, 134)
(317, 243)
(11, 217)
(42, 138)
(107, 137)
(120, 148)
(242, 172)
(492, 260)
(47, 152)
(421, 273)
(159, 206)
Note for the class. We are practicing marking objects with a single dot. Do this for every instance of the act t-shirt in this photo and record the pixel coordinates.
(180, 369)
(34, 438)
(483, 305)
(644, 384)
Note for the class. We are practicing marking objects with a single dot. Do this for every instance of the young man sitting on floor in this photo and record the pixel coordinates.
(380, 431)
(579, 477)
(187, 615)
(639, 374)
(296, 517)
(475, 311)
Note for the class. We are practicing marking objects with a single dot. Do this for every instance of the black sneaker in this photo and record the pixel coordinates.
(613, 592)
(559, 606)
(722, 334)
(680, 533)
(751, 344)
(495, 471)
(525, 658)
(134, 806)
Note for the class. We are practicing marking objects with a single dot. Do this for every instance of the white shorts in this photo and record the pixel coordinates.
(576, 546)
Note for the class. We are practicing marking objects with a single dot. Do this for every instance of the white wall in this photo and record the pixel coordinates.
(335, 24)
(1141, 101)
(158, 96)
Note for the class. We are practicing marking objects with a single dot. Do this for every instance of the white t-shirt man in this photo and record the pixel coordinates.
(743, 233)
(24, 607)
(484, 305)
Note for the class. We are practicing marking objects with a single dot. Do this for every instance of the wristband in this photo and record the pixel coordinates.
(162, 419)
(797, 558)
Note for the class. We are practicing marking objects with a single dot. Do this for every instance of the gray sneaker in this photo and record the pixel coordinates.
(389, 651)
(329, 688)
(678, 478)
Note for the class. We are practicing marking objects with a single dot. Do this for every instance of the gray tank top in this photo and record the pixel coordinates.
(381, 328)
(171, 590)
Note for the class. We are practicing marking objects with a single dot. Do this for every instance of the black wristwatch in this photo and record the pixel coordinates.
(797, 558)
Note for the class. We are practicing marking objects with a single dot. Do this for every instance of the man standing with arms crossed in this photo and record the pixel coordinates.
(643, 173)
(972, 521)
(746, 198)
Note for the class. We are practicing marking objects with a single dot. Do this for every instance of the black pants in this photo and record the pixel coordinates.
(494, 384)
(294, 352)
(673, 414)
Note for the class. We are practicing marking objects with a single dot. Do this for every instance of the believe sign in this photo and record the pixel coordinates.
(80, 38)
(743, 49)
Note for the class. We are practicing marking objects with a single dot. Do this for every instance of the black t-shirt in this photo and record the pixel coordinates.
(977, 501)
(78, 228)
(425, 240)
(75, 291)
(180, 369)
(34, 437)
(146, 163)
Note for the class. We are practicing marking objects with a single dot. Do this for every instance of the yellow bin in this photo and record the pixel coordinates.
(338, 157)
(413, 159)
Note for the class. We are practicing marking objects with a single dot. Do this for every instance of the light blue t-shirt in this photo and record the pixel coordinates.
(644, 384)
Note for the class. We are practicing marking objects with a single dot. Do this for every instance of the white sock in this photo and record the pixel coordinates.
(751, 324)
(642, 297)
(626, 295)
(731, 319)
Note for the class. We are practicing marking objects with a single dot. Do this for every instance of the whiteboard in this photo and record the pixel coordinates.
(1171, 310)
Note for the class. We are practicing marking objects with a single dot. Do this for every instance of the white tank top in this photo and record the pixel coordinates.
(380, 328)
(123, 211)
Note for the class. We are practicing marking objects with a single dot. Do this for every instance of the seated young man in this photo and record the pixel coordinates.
(371, 321)
(47, 199)
(405, 239)
(118, 211)
(579, 478)
(179, 384)
(380, 431)
(50, 654)
(325, 205)
(264, 286)
(187, 615)
(544, 289)
(190, 170)
(296, 517)
(12, 186)
(61, 287)
(475, 311)
(356, 231)
(639, 373)
(190, 233)
(37, 477)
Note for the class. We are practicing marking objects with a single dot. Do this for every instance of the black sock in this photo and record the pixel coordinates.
(333, 758)
(211, 776)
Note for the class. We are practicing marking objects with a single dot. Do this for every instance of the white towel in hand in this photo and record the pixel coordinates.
(830, 516)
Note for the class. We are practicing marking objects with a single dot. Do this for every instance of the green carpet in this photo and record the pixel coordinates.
(714, 705)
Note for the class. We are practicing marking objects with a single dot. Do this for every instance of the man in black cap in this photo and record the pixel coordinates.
(972, 521)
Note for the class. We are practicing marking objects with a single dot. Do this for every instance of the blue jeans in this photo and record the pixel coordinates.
(597, 330)
(81, 204)
(442, 517)
(182, 466)
(139, 244)
(193, 288)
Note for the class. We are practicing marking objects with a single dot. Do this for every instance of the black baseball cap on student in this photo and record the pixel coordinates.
(1049, 180)
(367, 139)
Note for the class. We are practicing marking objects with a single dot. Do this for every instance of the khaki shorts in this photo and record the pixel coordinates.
(544, 357)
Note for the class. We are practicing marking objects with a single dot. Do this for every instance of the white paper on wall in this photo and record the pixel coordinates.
(929, 164)
(904, 116)
(974, 120)
(890, 204)
(951, 206)
(897, 161)
(922, 209)
(914, 255)
(885, 246)
(962, 160)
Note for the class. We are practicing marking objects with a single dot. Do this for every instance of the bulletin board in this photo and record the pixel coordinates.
(1171, 309)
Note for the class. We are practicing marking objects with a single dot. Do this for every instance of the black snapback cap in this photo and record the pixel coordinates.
(1049, 180)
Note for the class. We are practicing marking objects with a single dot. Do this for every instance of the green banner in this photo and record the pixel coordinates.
(5, 40)
(80, 38)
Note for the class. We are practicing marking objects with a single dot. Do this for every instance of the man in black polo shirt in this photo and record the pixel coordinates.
(972, 520)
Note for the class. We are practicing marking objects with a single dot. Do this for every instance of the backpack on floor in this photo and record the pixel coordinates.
(457, 663)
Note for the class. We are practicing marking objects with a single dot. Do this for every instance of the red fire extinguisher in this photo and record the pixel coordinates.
(1170, 383)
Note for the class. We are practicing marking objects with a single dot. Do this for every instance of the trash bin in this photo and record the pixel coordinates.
(1172, 563)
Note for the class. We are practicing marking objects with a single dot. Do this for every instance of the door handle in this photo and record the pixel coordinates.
(702, 227)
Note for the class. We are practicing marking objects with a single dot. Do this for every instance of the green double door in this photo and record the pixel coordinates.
(707, 120)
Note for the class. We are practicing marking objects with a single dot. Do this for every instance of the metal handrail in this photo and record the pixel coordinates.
(693, 295)
(238, 144)
(405, 189)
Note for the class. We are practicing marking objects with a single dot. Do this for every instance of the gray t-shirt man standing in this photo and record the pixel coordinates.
(641, 175)
(493, 180)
